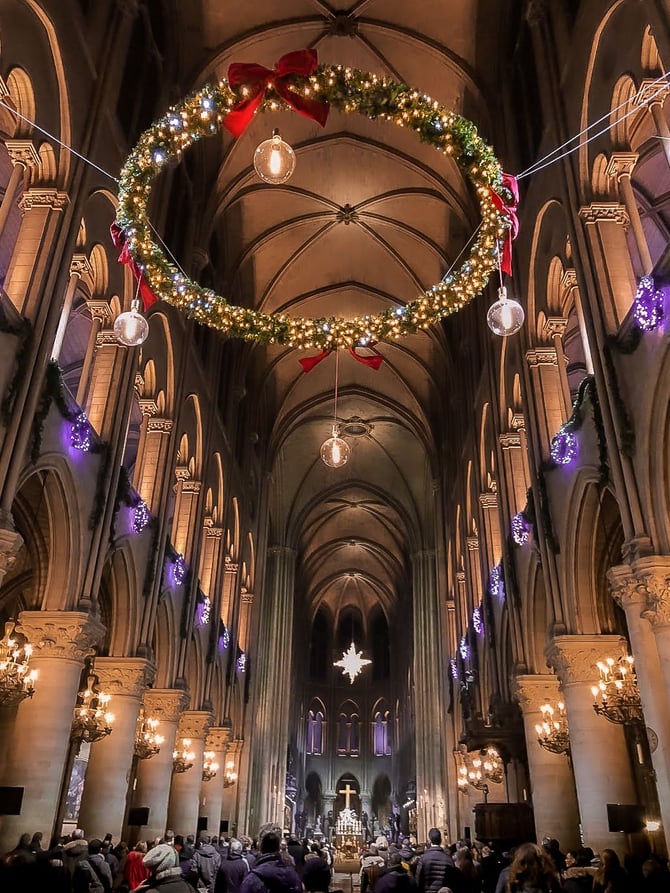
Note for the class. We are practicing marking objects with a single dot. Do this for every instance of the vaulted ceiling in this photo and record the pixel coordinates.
(370, 218)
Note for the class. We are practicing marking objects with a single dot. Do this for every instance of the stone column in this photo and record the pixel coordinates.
(211, 792)
(103, 804)
(620, 167)
(430, 694)
(631, 594)
(599, 754)
(652, 95)
(10, 543)
(554, 328)
(182, 816)
(606, 224)
(547, 394)
(23, 155)
(273, 690)
(154, 457)
(152, 787)
(37, 750)
(552, 783)
(79, 266)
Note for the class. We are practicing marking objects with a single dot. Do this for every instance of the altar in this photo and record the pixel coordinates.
(348, 838)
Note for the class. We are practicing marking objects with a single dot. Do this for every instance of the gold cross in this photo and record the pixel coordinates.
(348, 791)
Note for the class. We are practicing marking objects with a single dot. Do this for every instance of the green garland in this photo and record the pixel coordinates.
(347, 90)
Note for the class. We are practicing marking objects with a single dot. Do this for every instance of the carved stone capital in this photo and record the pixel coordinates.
(195, 724)
(165, 704)
(555, 325)
(509, 441)
(80, 266)
(532, 691)
(230, 567)
(217, 739)
(106, 338)
(213, 532)
(541, 356)
(148, 407)
(652, 92)
(653, 573)
(163, 426)
(11, 542)
(100, 310)
(605, 212)
(621, 164)
(626, 589)
(247, 598)
(569, 279)
(191, 486)
(70, 635)
(472, 543)
(182, 473)
(575, 658)
(124, 676)
(488, 500)
(22, 152)
(43, 197)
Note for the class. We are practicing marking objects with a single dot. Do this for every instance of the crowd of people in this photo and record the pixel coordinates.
(278, 863)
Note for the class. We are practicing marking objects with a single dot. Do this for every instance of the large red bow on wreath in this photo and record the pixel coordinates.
(120, 241)
(373, 362)
(509, 182)
(257, 79)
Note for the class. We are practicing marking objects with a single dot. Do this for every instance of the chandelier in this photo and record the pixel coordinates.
(209, 767)
(476, 771)
(616, 695)
(352, 662)
(230, 777)
(147, 740)
(17, 680)
(335, 451)
(182, 760)
(552, 732)
(92, 720)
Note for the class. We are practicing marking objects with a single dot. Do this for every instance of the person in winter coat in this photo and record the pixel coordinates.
(395, 879)
(578, 876)
(135, 872)
(532, 871)
(205, 864)
(100, 865)
(610, 877)
(270, 873)
(232, 869)
(436, 868)
(165, 877)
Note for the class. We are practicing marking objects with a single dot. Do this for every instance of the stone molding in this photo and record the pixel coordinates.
(124, 676)
(472, 543)
(69, 635)
(106, 338)
(230, 567)
(488, 500)
(23, 152)
(653, 573)
(575, 658)
(217, 739)
(11, 542)
(163, 426)
(80, 266)
(625, 588)
(247, 598)
(195, 724)
(532, 691)
(555, 325)
(621, 164)
(165, 704)
(213, 532)
(541, 356)
(569, 279)
(510, 441)
(148, 407)
(43, 197)
(191, 486)
(605, 212)
(652, 91)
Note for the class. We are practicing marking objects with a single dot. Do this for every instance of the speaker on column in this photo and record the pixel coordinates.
(138, 815)
(11, 800)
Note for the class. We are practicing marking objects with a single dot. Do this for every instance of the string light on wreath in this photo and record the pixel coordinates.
(521, 529)
(564, 447)
(648, 305)
(352, 92)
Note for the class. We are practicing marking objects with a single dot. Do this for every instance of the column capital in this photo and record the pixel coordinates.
(541, 356)
(489, 499)
(163, 426)
(11, 542)
(166, 704)
(22, 152)
(195, 724)
(148, 407)
(217, 738)
(652, 91)
(43, 197)
(575, 658)
(509, 441)
(191, 486)
(124, 676)
(625, 588)
(621, 164)
(212, 531)
(555, 325)
(569, 279)
(80, 266)
(472, 543)
(231, 567)
(70, 635)
(247, 598)
(532, 691)
(605, 212)
(653, 574)
(100, 310)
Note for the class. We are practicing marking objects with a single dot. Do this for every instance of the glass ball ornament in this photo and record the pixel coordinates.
(335, 451)
(505, 316)
(274, 160)
(131, 328)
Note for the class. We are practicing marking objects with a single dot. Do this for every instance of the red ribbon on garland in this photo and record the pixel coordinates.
(510, 183)
(373, 362)
(258, 78)
(120, 241)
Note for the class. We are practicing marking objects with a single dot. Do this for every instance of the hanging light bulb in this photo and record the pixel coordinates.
(505, 316)
(274, 160)
(131, 328)
(335, 451)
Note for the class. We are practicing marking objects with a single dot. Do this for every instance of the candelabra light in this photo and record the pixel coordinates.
(552, 732)
(92, 718)
(616, 695)
(17, 680)
(230, 776)
(147, 740)
(182, 759)
(477, 770)
(209, 767)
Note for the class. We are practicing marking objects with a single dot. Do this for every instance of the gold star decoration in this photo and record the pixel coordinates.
(352, 663)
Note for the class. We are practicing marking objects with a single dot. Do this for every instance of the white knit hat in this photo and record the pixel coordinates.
(162, 859)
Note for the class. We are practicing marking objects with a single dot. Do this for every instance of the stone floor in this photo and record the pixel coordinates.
(348, 882)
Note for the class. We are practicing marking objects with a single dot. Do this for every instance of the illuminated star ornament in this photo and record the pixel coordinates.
(352, 663)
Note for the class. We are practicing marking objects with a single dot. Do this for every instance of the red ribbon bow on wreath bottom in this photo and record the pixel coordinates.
(373, 362)
(509, 182)
(120, 241)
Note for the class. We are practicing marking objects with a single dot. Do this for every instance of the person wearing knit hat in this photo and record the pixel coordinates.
(163, 861)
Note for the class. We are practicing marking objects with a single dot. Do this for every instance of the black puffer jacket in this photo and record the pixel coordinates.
(271, 874)
(436, 869)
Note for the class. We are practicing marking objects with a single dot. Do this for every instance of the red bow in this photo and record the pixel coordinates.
(373, 362)
(258, 78)
(509, 182)
(120, 241)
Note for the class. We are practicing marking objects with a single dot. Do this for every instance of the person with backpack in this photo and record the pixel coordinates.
(205, 864)
(270, 873)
